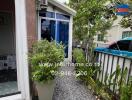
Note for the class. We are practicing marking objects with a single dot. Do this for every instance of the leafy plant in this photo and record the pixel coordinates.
(90, 71)
(93, 16)
(44, 59)
(95, 85)
(126, 21)
(83, 66)
(125, 89)
(78, 55)
(118, 79)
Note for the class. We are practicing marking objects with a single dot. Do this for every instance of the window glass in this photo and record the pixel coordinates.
(48, 29)
(63, 17)
(47, 14)
(60, 33)
(63, 34)
(127, 34)
(100, 37)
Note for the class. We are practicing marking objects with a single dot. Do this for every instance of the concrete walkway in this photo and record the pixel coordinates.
(69, 88)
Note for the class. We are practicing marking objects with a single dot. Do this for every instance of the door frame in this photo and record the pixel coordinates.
(22, 48)
(21, 52)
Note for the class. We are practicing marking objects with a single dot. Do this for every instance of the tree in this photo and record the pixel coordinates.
(126, 21)
(93, 16)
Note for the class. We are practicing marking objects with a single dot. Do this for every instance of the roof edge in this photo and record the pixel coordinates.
(63, 7)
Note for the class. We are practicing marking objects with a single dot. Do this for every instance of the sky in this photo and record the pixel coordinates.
(63, 0)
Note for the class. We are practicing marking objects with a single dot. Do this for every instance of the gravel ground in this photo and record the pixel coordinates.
(69, 88)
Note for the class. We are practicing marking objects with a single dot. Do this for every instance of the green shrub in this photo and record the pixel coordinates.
(84, 66)
(78, 55)
(87, 73)
(124, 90)
(44, 59)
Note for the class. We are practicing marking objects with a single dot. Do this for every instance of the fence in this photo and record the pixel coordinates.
(108, 63)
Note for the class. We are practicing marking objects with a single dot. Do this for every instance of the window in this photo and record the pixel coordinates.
(47, 14)
(63, 17)
(127, 34)
(100, 37)
(56, 28)
(48, 29)
(52, 15)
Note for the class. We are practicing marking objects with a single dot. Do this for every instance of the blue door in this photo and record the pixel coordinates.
(63, 34)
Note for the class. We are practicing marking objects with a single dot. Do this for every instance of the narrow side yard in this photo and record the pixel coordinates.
(69, 88)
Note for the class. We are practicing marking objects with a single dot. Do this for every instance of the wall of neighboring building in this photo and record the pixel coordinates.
(113, 34)
(116, 31)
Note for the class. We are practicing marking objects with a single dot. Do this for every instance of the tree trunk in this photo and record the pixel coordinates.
(89, 49)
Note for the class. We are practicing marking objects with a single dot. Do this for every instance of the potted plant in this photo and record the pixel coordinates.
(44, 59)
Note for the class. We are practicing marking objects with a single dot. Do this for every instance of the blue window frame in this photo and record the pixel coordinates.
(62, 16)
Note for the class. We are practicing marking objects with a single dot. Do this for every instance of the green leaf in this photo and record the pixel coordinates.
(44, 59)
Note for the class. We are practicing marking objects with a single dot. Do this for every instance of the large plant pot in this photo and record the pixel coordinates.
(45, 90)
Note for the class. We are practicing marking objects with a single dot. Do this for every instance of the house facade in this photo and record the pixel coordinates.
(115, 33)
(23, 22)
(55, 23)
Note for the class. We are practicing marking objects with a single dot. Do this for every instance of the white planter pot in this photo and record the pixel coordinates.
(46, 90)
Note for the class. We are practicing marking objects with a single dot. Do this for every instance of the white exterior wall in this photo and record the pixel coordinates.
(22, 50)
(51, 8)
